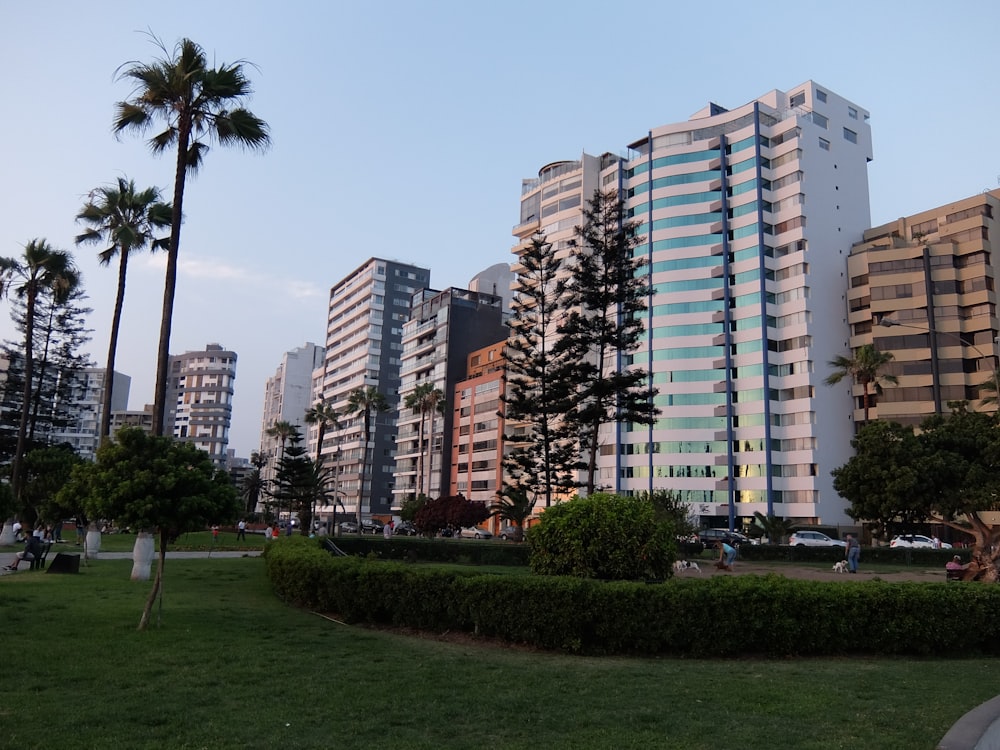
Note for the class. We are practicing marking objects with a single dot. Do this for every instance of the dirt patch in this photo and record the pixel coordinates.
(815, 573)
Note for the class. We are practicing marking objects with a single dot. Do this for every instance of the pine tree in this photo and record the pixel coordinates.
(542, 459)
(598, 338)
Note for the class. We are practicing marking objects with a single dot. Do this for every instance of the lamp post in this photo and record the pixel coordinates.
(888, 322)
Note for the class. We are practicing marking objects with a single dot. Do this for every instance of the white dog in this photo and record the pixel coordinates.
(680, 565)
(840, 567)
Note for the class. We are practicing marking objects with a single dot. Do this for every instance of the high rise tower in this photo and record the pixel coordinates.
(748, 216)
(364, 348)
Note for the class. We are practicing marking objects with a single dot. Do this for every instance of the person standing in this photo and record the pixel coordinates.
(241, 530)
(853, 550)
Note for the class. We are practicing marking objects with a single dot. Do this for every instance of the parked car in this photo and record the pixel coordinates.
(510, 532)
(709, 537)
(916, 540)
(472, 532)
(348, 527)
(813, 539)
(404, 528)
(371, 526)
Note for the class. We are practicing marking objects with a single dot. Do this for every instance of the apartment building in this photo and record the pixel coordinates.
(923, 288)
(478, 426)
(199, 403)
(444, 328)
(288, 395)
(748, 216)
(368, 310)
(83, 429)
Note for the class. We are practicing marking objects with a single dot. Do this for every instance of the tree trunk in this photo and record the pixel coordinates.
(170, 281)
(157, 583)
(142, 556)
(17, 464)
(92, 545)
(109, 370)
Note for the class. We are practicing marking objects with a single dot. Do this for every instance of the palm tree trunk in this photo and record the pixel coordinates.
(170, 282)
(420, 458)
(109, 370)
(364, 464)
(17, 464)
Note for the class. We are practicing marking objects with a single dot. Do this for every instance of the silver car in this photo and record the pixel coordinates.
(813, 539)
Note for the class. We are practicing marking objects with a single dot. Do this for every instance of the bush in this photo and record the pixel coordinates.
(605, 537)
(710, 617)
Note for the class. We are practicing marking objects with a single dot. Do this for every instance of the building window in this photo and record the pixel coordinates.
(824, 144)
(820, 95)
(850, 135)
(797, 100)
(852, 113)
(820, 120)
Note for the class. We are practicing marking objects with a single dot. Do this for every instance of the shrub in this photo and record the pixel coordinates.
(709, 617)
(602, 536)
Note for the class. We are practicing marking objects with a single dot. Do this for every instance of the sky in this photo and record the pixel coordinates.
(402, 130)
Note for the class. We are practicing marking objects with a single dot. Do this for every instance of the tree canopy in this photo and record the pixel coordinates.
(948, 472)
(146, 482)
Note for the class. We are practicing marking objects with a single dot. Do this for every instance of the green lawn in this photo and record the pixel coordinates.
(232, 667)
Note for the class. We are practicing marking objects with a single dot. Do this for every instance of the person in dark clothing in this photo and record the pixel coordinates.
(32, 549)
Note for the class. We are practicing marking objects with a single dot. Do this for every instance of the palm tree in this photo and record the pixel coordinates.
(41, 270)
(991, 386)
(126, 220)
(283, 431)
(364, 401)
(427, 400)
(864, 368)
(194, 101)
(254, 485)
(323, 415)
(514, 506)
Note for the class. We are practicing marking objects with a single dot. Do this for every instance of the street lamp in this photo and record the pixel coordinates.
(888, 322)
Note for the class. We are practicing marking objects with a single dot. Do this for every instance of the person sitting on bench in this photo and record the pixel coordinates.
(32, 549)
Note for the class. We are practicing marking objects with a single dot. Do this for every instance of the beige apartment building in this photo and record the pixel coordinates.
(478, 427)
(923, 287)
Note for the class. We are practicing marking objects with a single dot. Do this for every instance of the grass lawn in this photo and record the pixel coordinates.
(232, 667)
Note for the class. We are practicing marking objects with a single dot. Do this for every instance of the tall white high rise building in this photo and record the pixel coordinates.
(199, 404)
(287, 397)
(748, 216)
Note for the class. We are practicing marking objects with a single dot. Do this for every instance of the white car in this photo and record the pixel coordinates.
(471, 532)
(813, 539)
(916, 540)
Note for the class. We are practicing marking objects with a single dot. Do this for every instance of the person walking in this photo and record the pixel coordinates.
(853, 551)
(241, 530)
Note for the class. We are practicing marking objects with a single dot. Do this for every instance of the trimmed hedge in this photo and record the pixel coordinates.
(710, 617)
(421, 549)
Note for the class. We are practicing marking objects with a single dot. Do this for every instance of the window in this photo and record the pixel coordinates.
(850, 135)
(824, 144)
(820, 120)
(820, 95)
(797, 100)
(852, 113)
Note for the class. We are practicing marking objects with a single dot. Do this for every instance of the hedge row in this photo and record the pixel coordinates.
(420, 549)
(709, 617)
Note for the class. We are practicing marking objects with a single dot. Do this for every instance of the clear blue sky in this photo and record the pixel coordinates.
(403, 130)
